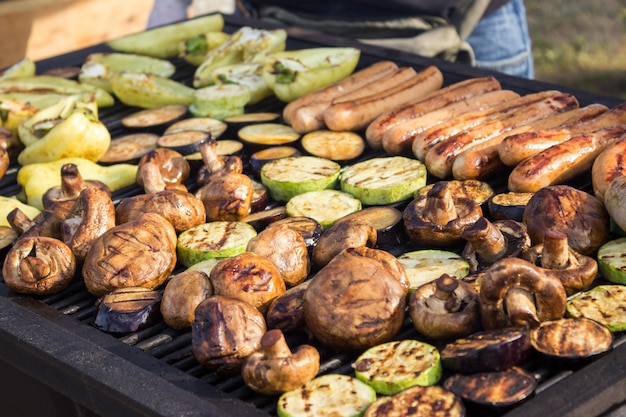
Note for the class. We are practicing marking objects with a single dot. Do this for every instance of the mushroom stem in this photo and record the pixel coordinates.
(487, 240)
(274, 344)
(521, 308)
(444, 300)
(439, 206)
(210, 157)
(152, 180)
(72, 182)
(19, 221)
(555, 253)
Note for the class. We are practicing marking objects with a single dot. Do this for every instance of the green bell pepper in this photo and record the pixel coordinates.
(163, 42)
(195, 50)
(98, 67)
(149, 90)
(292, 74)
(246, 46)
(23, 68)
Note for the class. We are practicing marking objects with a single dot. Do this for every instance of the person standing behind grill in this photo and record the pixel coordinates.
(497, 29)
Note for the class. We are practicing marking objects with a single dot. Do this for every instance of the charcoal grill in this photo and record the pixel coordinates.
(55, 362)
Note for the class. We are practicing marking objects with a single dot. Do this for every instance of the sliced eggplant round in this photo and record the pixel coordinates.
(260, 197)
(261, 219)
(394, 366)
(310, 229)
(129, 148)
(263, 156)
(336, 146)
(241, 120)
(384, 180)
(325, 206)
(268, 134)
(204, 124)
(488, 350)
(155, 119)
(387, 221)
(224, 147)
(508, 205)
(493, 391)
(431, 401)
(572, 340)
(127, 310)
(426, 265)
(185, 143)
(219, 239)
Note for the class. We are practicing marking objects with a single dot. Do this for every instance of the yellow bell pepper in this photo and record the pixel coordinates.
(35, 179)
(14, 112)
(8, 204)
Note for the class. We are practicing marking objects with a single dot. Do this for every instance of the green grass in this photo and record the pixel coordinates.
(580, 43)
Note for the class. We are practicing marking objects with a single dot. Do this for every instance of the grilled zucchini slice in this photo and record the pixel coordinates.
(288, 177)
(219, 239)
(324, 206)
(268, 134)
(612, 260)
(431, 401)
(326, 396)
(384, 180)
(220, 101)
(604, 304)
(394, 366)
(336, 146)
(426, 265)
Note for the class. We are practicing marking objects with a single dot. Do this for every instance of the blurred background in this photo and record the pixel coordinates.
(576, 43)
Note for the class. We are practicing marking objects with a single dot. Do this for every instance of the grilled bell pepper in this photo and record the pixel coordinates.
(23, 68)
(35, 179)
(292, 74)
(149, 90)
(75, 132)
(98, 67)
(37, 100)
(14, 112)
(50, 84)
(246, 46)
(8, 204)
(195, 50)
(247, 75)
(162, 42)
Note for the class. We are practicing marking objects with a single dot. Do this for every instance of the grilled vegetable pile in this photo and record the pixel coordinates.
(363, 214)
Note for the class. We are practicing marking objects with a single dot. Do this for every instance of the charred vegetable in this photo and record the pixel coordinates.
(603, 304)
(433, 401)
(127, 310)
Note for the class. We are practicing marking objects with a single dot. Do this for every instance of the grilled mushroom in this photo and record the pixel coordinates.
(275, 369)
(287, 249)
(182, 294)
(141, 253)
(445, 308)
(39, 265)
(225, 331)
(92, 214)
(213, 162)
(286, 312)
(438, 218)
(4, 162)
(487, 242)
(575, 270)
(162, 168)
(61, 198)
(46, 223)
(343, 234)
(513, 291)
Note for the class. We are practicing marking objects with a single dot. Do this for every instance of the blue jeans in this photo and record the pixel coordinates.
(501, 41)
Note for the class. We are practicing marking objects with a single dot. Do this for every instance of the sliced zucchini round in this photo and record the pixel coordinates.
(327, 396)
(129, 148)
(336, 146)
(219, 239)
(220, 100)
(324, 206)
(185, 143)
(604, 304)
(263, 156)
(508, 205)
(394, 366)
(384, 180)
(268, 134)
(431, 401)
(204, 124)
(426, 265)
(155, 118)
(288, 177)
(241, 120)
(479, 191)
(612, 260)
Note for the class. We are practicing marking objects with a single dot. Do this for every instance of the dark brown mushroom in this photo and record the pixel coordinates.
(225, 331)
(181, 208)
(487, 242)
(343, 234)
(10, 142)
(162, 168)
(92, 214)
(275, 369)
(514, 291)
(438, 218)
(47, 223)
(287, 249)
(575, 270)
(39, 265)
(213, 162)
(286, 312)
(61, 198)
(446, 308)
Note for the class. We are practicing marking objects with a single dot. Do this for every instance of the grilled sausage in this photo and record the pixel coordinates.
(398, 139)
(562, 162)
(610, 164)
(440, 158)
(305, 114)
(399, 76)
(357, 114)
(516, 148)
(422, 105)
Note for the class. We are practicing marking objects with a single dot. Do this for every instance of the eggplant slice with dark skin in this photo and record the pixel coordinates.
(127, 310)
